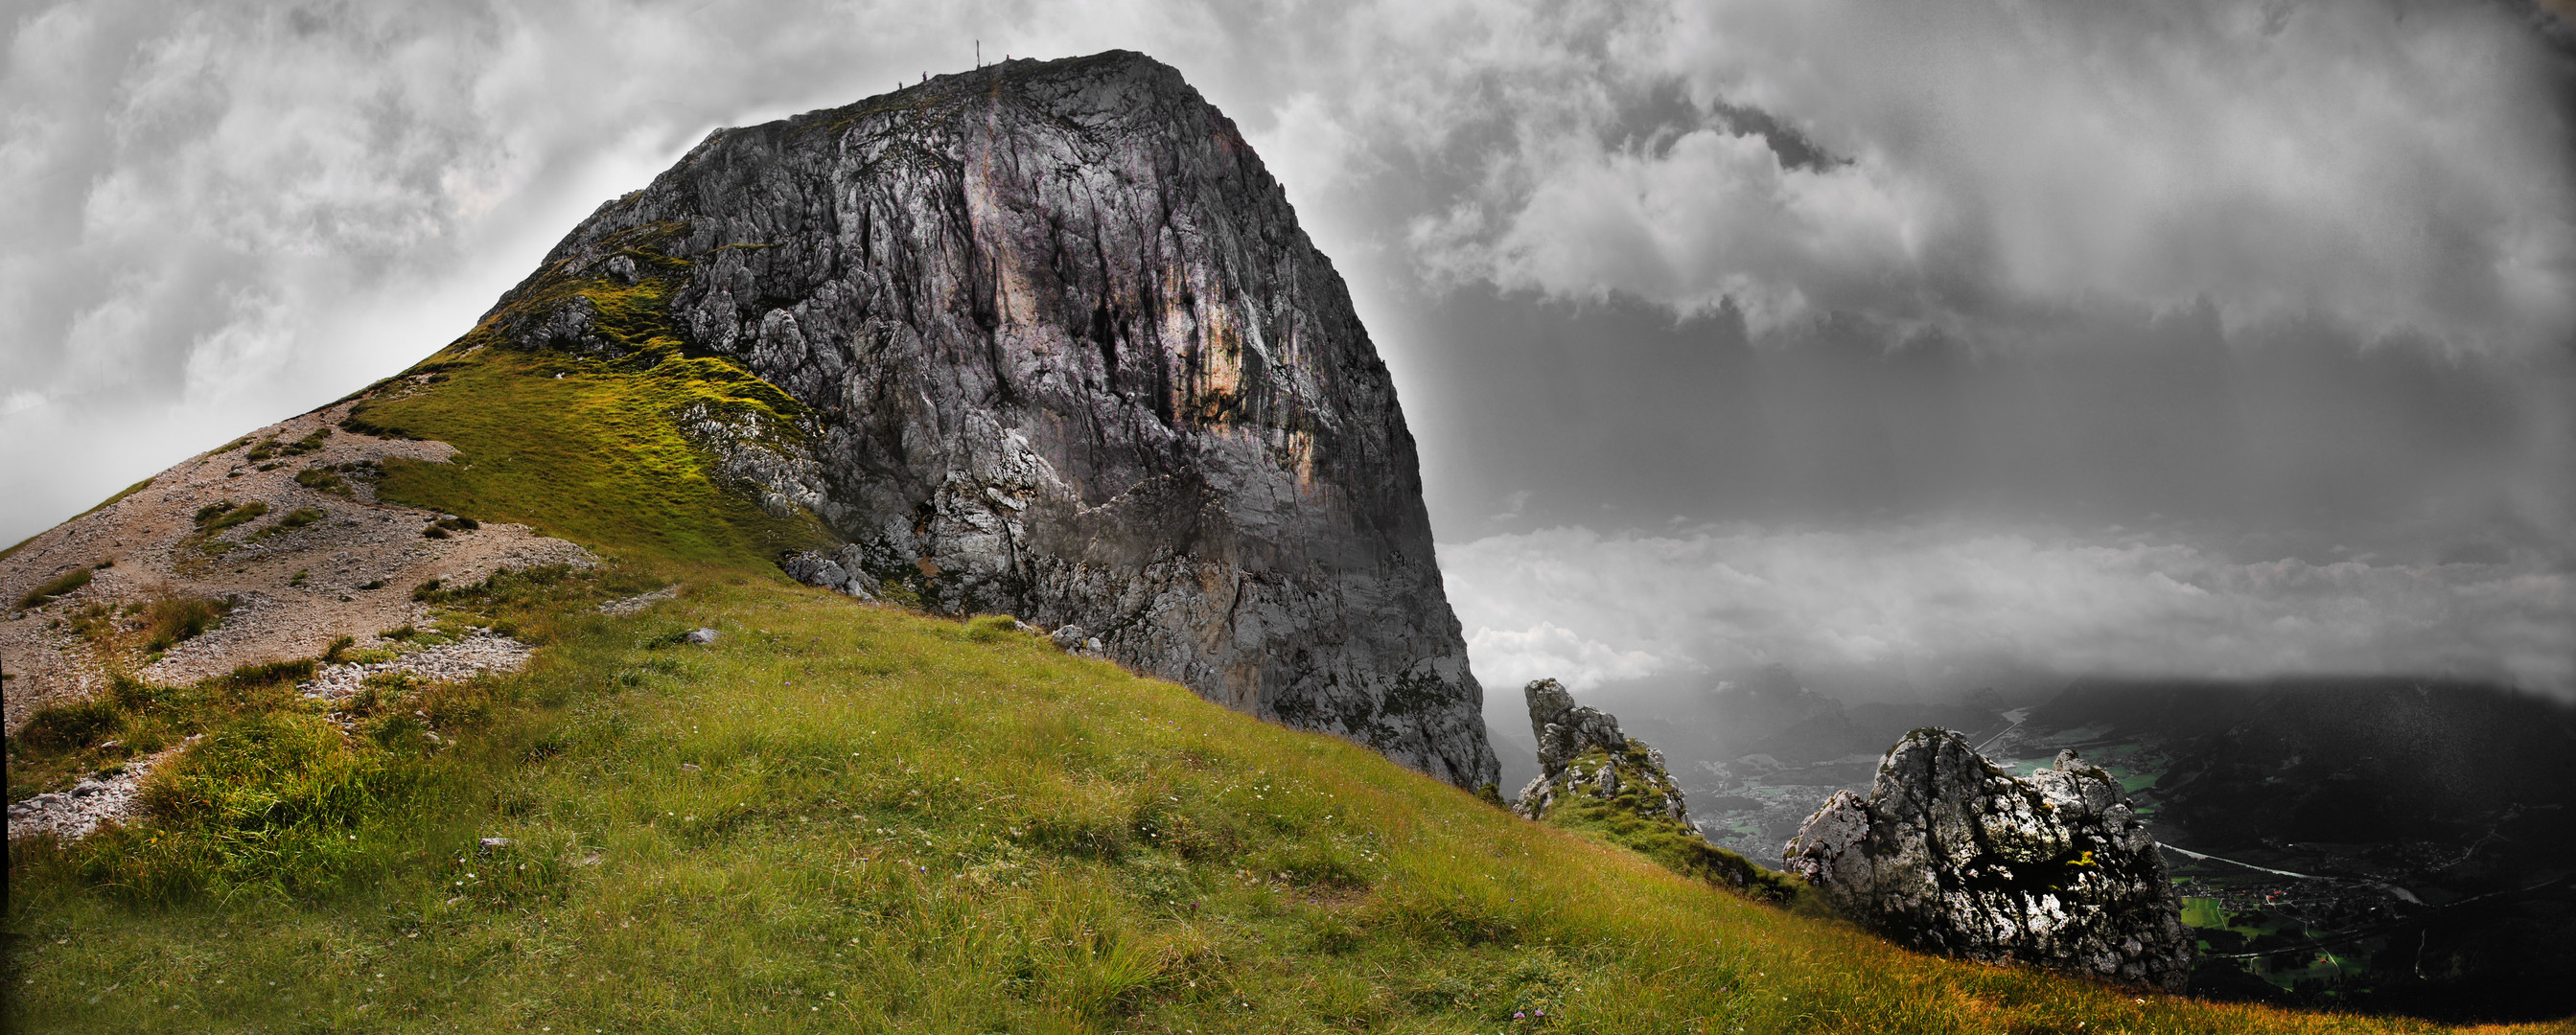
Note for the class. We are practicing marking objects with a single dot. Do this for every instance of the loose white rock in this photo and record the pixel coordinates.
(484, 651)
(89, 804)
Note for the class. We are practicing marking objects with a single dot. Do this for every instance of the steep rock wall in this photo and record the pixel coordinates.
(1067, 355)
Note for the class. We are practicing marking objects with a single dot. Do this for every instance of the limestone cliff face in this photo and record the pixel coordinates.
(1952, 854)
(1067, 355)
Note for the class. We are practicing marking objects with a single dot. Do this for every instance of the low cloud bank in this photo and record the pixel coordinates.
(1927, 604)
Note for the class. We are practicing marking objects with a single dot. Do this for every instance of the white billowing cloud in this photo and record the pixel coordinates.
(2396, 168)
(1509, 658)
(1919, 598)
(1714, 216)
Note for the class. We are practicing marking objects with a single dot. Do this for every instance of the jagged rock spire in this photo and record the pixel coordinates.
(1582, 752)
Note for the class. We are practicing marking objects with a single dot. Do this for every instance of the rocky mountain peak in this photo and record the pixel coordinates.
(1057, 348)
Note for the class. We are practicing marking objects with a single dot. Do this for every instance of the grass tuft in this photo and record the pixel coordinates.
(264, 802)
(992, 628)
(70, 724)
(168, 621)
(295, 519)
(322, 479)
(216, 517)
(55, 587)
(310, 443)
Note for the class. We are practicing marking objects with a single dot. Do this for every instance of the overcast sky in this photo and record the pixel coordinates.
(1909, 343)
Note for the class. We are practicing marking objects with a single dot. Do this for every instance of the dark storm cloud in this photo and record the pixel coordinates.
(2298, 435)
(1907, 514)
(2397, 169)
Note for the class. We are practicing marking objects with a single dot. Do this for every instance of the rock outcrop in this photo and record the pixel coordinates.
(1059, 349)
(1951, 854)
(1594, 778)
(1582, 753)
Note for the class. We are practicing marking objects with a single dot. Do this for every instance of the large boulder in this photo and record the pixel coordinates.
(1051, 344)
(1951, 854)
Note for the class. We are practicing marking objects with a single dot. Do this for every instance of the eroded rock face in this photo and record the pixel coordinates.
(1582, 754)
(1951, 854)
(1063, 352)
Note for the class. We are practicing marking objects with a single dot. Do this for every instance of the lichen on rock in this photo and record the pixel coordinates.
(1951, 854)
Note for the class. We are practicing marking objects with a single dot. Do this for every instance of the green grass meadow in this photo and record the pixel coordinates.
(851, 817)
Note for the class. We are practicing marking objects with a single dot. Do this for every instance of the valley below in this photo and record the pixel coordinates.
(2378, 844)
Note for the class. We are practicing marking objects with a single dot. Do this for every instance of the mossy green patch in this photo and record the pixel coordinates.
(312, 442)
(589, 450)
(294, 519)
(1633, 817)
(591, 447)
(223, 514)
(322, 479)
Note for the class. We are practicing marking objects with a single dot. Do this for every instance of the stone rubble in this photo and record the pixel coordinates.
(344, 565)
(1074, 639)
(840, 572)
(481, 651)
(1951, 854)
(91, 803)
(640, 601)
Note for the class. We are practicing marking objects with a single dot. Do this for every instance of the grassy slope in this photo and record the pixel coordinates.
(849, 816)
